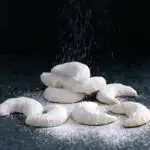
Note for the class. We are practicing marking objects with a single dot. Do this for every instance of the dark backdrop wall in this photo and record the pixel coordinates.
(119, 28)
(28, 26)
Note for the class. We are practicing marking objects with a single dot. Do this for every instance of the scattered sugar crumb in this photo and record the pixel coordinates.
(111, 134)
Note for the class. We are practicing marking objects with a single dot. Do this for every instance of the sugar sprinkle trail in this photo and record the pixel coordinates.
(111, 134)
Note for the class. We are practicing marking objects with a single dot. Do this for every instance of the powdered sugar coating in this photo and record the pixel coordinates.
(62, 95)
(89, 85)
(138, 114)
(55, 115)
(110, 93)
(85, 85)
(27, 106)
(75, 70)
(33, 110)
(52, 80)
(90, 113)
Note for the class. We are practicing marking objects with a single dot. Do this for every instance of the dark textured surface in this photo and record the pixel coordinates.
(19, 75)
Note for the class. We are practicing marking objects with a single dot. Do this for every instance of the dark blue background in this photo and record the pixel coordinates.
(119, 26)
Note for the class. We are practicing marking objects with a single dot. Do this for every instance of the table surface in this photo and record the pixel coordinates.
(21, 75)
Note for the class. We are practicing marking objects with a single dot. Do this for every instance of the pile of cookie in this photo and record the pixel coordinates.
(71, 82)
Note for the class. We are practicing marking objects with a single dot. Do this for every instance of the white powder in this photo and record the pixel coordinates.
(112, 134)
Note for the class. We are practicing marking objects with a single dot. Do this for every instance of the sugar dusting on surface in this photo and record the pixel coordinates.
(111, 134)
